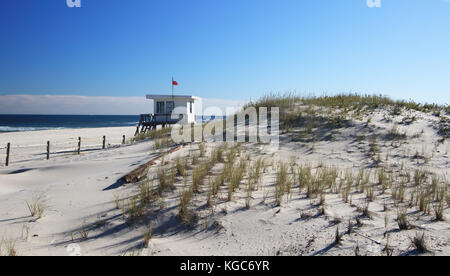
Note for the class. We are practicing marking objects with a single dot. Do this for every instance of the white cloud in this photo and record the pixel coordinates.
(75, 105)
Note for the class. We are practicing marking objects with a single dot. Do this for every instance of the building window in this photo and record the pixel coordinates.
(190, 107)
(169, 107)
(159, 107)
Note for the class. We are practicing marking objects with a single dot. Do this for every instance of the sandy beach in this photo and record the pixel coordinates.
(32, 145)
(90, 211)
(75, 186)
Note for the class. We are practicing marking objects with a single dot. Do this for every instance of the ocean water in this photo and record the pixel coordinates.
(14, 123)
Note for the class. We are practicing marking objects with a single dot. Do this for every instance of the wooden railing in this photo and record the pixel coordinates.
(159, 118)
(150, 121)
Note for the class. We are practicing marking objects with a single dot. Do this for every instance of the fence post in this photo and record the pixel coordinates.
(8, 146)
(104, 142)
(123, 140)
(48, 150)
(79, 145)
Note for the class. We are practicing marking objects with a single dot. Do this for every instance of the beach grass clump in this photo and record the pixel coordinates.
(304, 176)
(420, 177)
(181, 165)
(9, 246)
(230, 191)
(37, 206)
(161, 143)
(384, 180)
(231, 155)
(349, 181)
(255, 172)
(402, 220)
(209, 194)
(282, 100)
(133, 210)
(419, 243)
(317, 184)
(281, 185)
(439, 210)
(237, 175)
(370, 193)
(84, 231)
(365, 210)
(424, 200)
(163, 181)
(203, 169)
(363, 179)
(185, 213)
(172, 177)
(398, 192)
(217, 183)
(198, 174)
(147, 235)
(217, 155)
(145, 193)
(437, 191)
(152, 134)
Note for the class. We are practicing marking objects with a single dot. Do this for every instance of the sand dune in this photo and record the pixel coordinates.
(82, 193)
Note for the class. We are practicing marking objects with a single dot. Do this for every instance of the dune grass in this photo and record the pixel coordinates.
(147, 235)
(152, 134)
(184, 212)
(37, 206)
(8, 247)
(420, 244)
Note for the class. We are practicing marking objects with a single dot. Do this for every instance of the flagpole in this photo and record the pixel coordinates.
(172, 87)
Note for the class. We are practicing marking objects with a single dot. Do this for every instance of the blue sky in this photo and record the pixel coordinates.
(228, 49)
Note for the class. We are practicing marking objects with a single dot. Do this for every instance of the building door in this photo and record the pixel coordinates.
(170, 106)
(160, 107)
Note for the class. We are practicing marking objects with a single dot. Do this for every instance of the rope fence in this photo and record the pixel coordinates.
(77, 146)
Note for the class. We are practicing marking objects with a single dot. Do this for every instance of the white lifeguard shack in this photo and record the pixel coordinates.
(169, 109)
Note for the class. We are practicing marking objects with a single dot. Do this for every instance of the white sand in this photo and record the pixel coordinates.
(32, 145)
(80, 190)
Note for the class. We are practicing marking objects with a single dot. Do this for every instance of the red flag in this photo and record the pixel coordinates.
(174, 83)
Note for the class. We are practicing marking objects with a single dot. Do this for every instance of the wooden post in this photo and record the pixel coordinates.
(48, 150)
(104, 142)
(79, 145)
(123, 140)
(8, 146)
